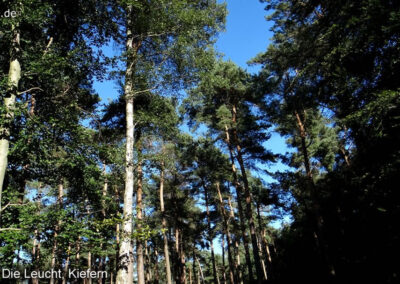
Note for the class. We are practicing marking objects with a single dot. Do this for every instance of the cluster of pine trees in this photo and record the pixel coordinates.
(125, 188)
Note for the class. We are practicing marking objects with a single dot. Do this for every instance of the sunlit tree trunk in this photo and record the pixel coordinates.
(125, 267)
(240, 208)
(237, 261)
(164, 227)
(56, 230)
(227, 235)
(210, 239)
(36, 240)
(14, 76)
(139, 217)
(248, 199)
(66, 267)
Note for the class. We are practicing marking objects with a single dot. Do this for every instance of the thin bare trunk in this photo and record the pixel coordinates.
(200, 270)
(240, 208)
(228, 236)
(156, 272)
(125, 266)
(210, 239)
(164, 227)
(56, 230)
(89, 264)
(223, 257)
(237, 262)
(248, 199)
(66, 267)
(195, 274)
(263, 245)
(36, 239)
(182, 264)
(318, 234)
(14, 76)
(139, 217)
(147, 260)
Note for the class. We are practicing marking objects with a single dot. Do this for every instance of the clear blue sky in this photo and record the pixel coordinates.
(247, 32)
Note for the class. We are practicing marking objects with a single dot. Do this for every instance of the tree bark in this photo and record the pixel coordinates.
(125, 266)
(228, 236)
(210, 239)
(200, 270)
(248, 199)
(139, 217)
(264, 245)
(240, 208)
(14, 76)
(66, 267)
(164, 227)
(56, 230)
(318, 234)
(36, 240)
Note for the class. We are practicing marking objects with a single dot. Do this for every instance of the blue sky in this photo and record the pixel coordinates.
(247, 32)
(246, 35)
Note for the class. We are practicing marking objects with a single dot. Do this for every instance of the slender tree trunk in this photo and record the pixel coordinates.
(223, 257)
(156, 272)
(57, 229)
(210, 239)
(200, 270)
(190, 276)
(182, 263)
(125, 266)
(237, 252)
(103, 212)
(36, 239)
(240, 208)
(177, 261)
(14, 76)
(66, 267)
(228, 236)
(248, 199)
(89, 265)
(264, 246)
(195, 274)
(318, 234)
(147, 260)
(139, 217)
(164, 227)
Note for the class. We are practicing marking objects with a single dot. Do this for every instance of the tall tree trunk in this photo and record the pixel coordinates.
(228, 235)
(248, 199)
(139, 217)
(182, 263)
(14, 76)
(223, 257)
(102, 280)
(318, 234)
(57, 229)
(125, 266)
(264, 245)
(89, 265)
(36, 239)
(148, 263)
(200, 270)
(240, 208)
(196, 278)
(164, 227)
(210, 239)
(156, 272)
(66, 267)
(237, 253)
